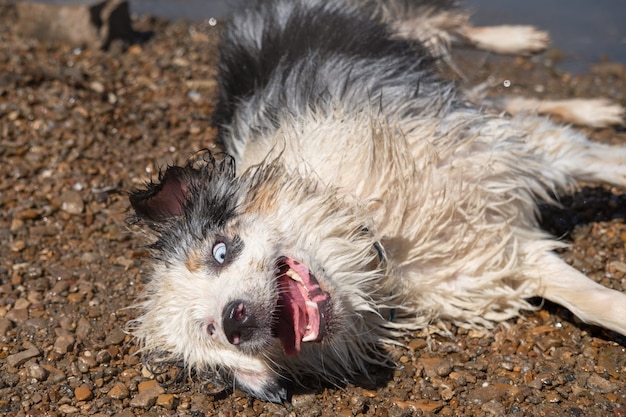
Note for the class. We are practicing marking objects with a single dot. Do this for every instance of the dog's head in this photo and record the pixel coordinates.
(262, 278)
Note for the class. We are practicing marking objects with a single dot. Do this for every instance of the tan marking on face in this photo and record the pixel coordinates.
(194, 261)
(265, 198)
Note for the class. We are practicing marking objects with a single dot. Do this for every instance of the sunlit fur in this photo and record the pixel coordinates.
(409, 206)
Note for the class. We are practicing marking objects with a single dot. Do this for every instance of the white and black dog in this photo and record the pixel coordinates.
(370, 200)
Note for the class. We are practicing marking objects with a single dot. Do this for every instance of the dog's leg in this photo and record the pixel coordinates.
(598, 112)
(567, 154)
(506, 39)
(588, 300)
(438, 25)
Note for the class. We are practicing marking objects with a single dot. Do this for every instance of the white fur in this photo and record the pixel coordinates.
(508, 39)
(599, 112)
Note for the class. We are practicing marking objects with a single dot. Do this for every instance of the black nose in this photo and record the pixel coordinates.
(238, 323)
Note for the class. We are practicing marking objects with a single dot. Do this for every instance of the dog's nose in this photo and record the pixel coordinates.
(238, 323)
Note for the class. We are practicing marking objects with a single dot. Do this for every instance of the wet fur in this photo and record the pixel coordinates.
(409, 205)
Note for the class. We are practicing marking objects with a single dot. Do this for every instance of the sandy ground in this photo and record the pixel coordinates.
(79, 128)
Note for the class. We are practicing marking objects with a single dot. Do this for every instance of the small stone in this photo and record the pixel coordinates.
(85, 363)
(148, 394)
(21, 304)
(147, 385)
(612, 359)
(119, 391)
(493, 408)
(490, 392)
(64, 344)
(598, 384)
(535, 384)
(75, 297)
(5, 326)
(34, 370)
(18, 315)
(19, 358)
(82, 393)
(303, 400)
(72, 202)
(18, 246)
(97, 86)
(553, 397)
(60, 287)
(128, 374)
(446, 392)
(116, 337)
(54, 375)
(166, 401)
(68, 409)
(103, 356)
(427, 406)
(434, 367)
(83, 328)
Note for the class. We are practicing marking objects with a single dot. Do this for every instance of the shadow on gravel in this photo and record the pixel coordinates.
(588, 205)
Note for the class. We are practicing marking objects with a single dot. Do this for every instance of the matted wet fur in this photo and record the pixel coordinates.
(370, 200)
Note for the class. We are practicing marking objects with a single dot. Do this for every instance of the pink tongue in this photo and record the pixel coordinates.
(293, 317)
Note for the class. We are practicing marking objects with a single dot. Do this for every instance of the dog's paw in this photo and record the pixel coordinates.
(508, 39)
(592, 112)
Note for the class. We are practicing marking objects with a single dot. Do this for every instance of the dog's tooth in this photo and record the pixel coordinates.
(311, 304)
(310, 337)
(294, 276)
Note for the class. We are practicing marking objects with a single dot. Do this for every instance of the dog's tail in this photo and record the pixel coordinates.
(588, 300)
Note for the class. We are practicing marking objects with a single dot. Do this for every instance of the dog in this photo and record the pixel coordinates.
(359, 197)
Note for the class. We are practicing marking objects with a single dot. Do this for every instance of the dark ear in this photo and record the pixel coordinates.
(164, 199)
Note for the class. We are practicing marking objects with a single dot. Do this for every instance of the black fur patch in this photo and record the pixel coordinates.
(287, 59)
(190, 201)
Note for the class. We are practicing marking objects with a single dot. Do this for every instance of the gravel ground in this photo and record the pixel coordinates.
(79, 128)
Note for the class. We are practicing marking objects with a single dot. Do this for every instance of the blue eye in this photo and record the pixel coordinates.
(219, 252)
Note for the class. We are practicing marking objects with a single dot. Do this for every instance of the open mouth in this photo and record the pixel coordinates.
(302, 306)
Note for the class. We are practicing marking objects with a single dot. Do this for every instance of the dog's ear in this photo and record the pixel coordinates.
(165, 199)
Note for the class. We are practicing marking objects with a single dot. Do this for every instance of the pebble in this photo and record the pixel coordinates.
(18, 315)
(54, 375)
(72, 202)
(491, 392)
(612, 359)
(119, 391)
(68, 409)
(553, 397)
(493, 409)
(34, 370)
(21, 304)
(82, 393)
(83, 328)
(85, 363)
(149, 391)
(103, 356)
(598, 384)
(18, 359)
(434, 367)
(5, 325)
(64, 344)
(116, 337)
(166, 401)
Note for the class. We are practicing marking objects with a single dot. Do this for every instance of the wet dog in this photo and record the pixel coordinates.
(370, 200)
